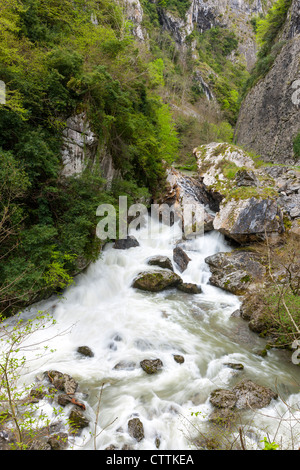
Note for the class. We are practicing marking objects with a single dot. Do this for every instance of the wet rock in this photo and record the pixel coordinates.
(233, 365)
(161, 261)
(151, 366)
(181, 258)
(77, 420)
(85, 351)
(252, 395)
(189, 288)
(178, 358)
(223, 398)
(156, 281)
(237, 272)
(222, 417)
(136, 429)
(58, 441)
(62, 382)
(245, 395)
(125, 365)
(126, 243)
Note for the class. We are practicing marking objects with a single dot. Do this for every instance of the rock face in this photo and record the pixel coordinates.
(237, 272)
(269, 118)
(184, 191)
(249, 220)
(80, 148)
(205, 14)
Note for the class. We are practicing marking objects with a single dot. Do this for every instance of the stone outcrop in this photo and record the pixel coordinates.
(237, 272)
(249, 209)
(186, 191)
(81, 149)
(269, 119)
(205, 14)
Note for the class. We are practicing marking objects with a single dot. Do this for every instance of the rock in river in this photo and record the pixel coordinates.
(156, 281)
(161, 261)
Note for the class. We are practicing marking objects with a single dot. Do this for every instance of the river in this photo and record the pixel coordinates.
(102, 311)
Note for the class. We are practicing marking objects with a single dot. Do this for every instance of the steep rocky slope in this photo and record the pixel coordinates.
(205, 14)
(269, 119)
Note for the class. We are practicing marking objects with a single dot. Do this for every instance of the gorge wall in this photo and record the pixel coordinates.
(269, 119)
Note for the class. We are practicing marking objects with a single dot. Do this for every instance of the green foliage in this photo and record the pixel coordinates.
(226, 79)
(296, 146)
(180, 7)
(20, 412)
(269, 445)
(56, 63)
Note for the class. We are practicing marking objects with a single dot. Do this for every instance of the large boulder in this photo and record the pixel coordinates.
(248, 210)
(185, 191)
(252, 395)
(126, 243)
(245, 395)
(237, 272)
(250, 220)
(156, 281)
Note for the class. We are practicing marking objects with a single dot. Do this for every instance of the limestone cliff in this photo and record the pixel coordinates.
(205, 14)
(269, 118)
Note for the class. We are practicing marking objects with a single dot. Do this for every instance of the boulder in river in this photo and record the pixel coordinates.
(85, 351)
(156, 281)
(161, 261)
(136, 429)
(181, 258)
(151, 366)
(189, 288)
(78, 420)
(245, 395)
(62, 382)
(126, 243)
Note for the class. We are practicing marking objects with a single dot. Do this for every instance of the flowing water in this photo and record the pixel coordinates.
(123, 325)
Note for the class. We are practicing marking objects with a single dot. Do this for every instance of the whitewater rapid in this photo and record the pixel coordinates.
(119, 323)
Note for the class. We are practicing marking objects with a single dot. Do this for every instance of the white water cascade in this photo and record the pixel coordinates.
(120, 323)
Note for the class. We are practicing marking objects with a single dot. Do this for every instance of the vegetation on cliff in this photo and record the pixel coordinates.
(59, 59)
